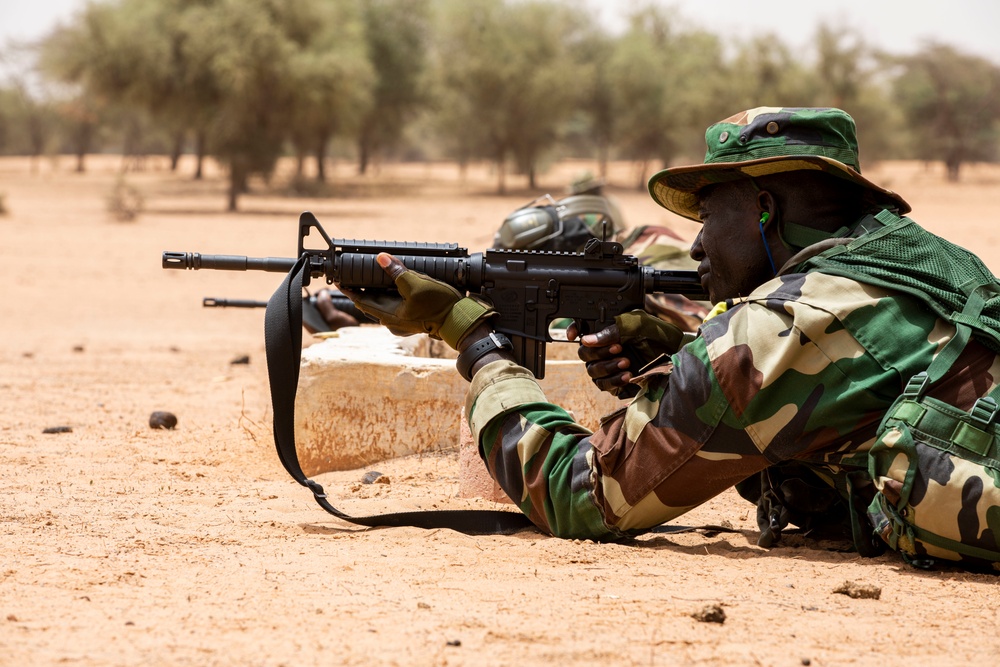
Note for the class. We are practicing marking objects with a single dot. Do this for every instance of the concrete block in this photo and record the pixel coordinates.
(473, 479)
(366, 396)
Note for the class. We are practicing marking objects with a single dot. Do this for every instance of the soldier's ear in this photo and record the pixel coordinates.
(766, 205)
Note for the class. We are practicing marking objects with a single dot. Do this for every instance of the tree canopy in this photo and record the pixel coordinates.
(518, 82)
(952, 101)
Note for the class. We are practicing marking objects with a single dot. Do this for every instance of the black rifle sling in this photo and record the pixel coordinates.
(283, 346)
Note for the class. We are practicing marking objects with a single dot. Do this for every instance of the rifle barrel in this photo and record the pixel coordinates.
(195, 261)
(673, 281)
(212, 302)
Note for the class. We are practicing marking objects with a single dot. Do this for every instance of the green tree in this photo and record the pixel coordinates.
(29, 115)
(80, 120)
(114, 66)
(230, 69)
(952, 102)
(244, 55)
(850, 74)
(38, 119)
(510, 76)
(668, 80)
(595, 125)
(8, 101)
(765, 72)
(397, 36)
(330, 76)
(840, 65)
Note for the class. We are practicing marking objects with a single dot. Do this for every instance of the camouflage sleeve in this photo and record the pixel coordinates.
(645, 465)
(534, 450)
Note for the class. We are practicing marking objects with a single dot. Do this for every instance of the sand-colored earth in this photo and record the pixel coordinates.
(122, 545)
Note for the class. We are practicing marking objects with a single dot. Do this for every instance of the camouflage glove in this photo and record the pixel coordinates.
(421, 305)
(645, 337)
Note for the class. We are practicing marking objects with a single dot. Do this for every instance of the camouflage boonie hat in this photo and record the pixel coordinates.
(765, 141)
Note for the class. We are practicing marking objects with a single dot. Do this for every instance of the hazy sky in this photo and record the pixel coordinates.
(898, 26)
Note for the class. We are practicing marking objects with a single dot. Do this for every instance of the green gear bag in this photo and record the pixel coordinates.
(935, 468)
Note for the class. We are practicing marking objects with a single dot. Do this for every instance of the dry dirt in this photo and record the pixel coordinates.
(125, 546)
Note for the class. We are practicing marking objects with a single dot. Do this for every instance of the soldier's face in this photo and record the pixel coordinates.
(729, 250)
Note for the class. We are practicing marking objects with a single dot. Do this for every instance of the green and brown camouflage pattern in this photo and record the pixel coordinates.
(936, 471)
(804, 369)
(770, 140)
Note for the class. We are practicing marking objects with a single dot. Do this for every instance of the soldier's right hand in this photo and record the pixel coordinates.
(607, 365)
(613, 355)
(334, 317)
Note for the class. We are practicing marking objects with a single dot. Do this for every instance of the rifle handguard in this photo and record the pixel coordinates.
(462, 319)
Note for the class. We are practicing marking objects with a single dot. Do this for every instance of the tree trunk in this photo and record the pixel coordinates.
(237, 182)
(501, 175)
(37, 134)
(602, 162)
(199, 149)
(953, 165)
(363, 157)
(176, 151)
(300, 162)
(643, 168)
(130, 150)
(321, 145)
(85, 133)
(234, 189)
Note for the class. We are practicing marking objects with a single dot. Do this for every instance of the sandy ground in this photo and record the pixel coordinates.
(124, 545)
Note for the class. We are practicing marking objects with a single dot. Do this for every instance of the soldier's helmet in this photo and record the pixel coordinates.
(564, 225)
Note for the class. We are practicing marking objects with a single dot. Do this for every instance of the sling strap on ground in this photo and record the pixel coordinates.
(283, 346)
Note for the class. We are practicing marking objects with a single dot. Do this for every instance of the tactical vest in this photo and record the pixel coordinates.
(935, 468)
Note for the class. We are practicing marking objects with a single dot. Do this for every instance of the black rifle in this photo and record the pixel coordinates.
(310, 313)
(529, 289)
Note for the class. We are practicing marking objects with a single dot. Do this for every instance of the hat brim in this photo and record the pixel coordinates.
(676, 189)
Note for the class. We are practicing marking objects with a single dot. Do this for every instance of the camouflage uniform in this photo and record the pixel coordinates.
(803, 370)
(800, 370)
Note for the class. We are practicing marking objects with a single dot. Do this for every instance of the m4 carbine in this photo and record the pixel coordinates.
(310, 311)
(529, 289)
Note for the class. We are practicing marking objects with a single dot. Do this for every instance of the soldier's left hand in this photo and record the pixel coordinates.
(421, 304)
